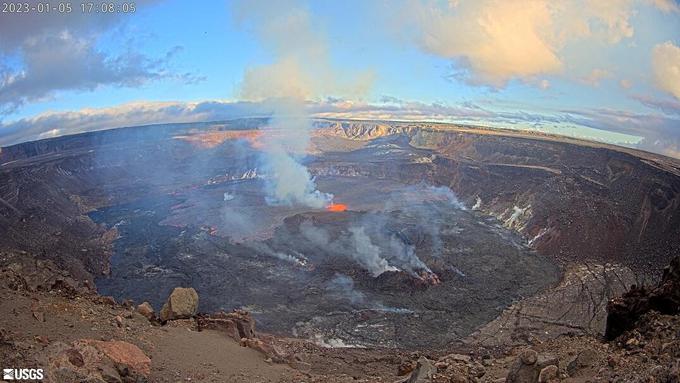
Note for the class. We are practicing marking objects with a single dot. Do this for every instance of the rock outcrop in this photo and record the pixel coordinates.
(95, 361)
(454, 368)
(181, 304)
(625, 311)
(238, 324)
(423, 372)
(23, 272)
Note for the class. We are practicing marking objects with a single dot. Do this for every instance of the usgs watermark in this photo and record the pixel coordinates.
(22, 374)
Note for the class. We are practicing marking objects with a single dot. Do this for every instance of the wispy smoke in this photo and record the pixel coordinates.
(406, 254)
(293, 257)
(426, 204)
(367, 254)
(377, 241)
(314, 234)
(301, 71)
(342, 287)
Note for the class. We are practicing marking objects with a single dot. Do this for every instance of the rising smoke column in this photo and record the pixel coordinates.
(285, 143)
(301, 70)
(366, 253)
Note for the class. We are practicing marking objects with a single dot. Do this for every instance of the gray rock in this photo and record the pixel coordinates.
(585, 358)
(529, 357)
(109, 374)
(146, 310)
(549, 374)
(423, 372)
(528, 366)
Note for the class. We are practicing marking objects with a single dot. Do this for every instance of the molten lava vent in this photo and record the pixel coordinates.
(336, 207)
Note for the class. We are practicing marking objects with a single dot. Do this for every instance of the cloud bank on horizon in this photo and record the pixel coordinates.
(607, 70)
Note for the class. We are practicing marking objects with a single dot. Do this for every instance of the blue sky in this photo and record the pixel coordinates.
(602, 69)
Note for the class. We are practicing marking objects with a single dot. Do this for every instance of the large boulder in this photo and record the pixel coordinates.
(181, 304)
(124, 353)
(89, 360)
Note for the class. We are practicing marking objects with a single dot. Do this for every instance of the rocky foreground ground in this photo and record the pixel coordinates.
(51, 321)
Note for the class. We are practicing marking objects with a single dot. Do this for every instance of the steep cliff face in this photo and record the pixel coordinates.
(361, 130)
(42, 212)
(570, 199)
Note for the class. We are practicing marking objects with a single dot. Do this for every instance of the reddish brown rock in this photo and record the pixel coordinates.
(549, 374)
(147, 311)
(238, 324)
(423, 372)
(124, 353)
(107, 300)
(406, 367)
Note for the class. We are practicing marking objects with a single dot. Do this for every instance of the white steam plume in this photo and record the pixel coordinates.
(301, 70)
(367, 254)
(314, 234)
(285, 142)
(406, 255)
(342, 286)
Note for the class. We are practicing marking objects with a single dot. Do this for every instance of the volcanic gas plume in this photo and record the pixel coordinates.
(301, 71)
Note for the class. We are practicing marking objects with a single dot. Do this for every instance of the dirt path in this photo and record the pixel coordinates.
(208, 356)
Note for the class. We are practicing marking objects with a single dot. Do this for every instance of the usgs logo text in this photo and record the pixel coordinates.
(22, 374)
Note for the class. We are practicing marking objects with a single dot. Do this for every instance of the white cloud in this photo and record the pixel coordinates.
(302, 68)
(595, 77)
(666, 5)
(658, 131)
(496, 41)
(59, 52)
(50, 124)
(63, 61)
(666, 68)
(625, 83)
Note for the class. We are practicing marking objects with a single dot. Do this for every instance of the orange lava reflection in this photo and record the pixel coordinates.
(336, 207)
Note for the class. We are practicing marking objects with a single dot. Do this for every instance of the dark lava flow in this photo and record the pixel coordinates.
(306, 281)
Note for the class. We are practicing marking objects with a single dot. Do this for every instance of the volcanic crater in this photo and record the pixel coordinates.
(437, 233)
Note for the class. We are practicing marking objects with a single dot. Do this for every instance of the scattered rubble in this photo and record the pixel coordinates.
(122, 352)
(423, 372)
(528, 367)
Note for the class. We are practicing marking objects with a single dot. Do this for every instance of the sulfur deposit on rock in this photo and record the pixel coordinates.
(181, 304)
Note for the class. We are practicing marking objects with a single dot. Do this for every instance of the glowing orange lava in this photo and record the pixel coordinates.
(336, 207)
